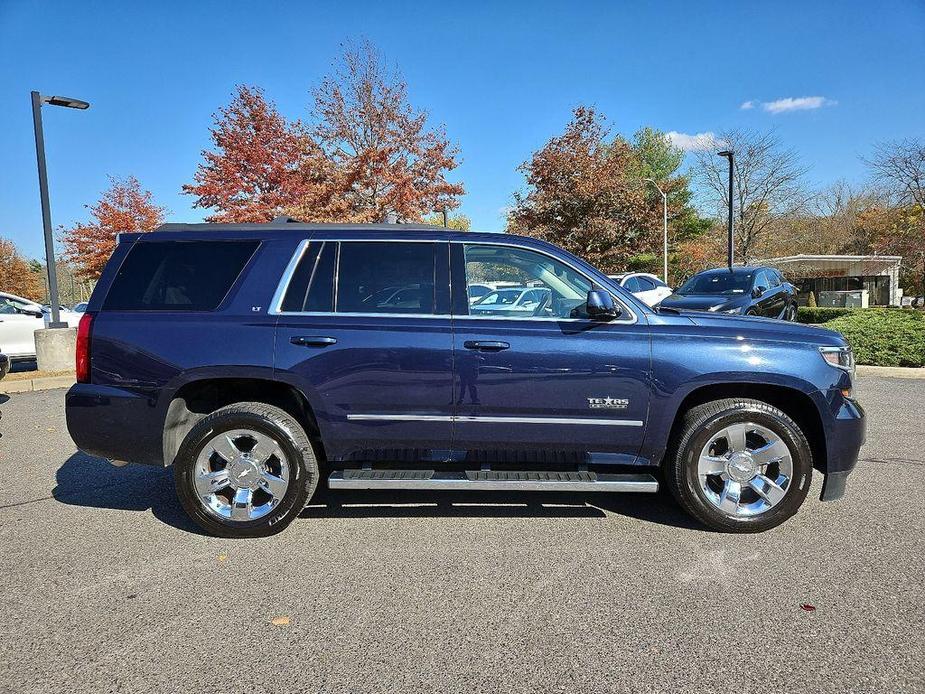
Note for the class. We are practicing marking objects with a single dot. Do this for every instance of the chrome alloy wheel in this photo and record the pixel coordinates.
(241, 475)
(745, 469)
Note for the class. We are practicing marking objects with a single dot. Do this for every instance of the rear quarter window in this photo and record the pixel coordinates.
(178, 275)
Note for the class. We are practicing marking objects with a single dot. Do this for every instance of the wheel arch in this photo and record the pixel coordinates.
(196, 399)
(794, 402)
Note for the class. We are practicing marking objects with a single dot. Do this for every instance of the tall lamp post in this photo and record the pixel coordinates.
(37, 101)
(730, 155)
(664, 228)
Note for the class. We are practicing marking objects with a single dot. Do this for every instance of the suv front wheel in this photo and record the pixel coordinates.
(741, 465)
(245, 470)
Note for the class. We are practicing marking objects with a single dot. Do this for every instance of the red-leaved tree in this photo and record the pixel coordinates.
(583, 194)
(16, 277)
(262, 166)
(388, 158)
(125, 206)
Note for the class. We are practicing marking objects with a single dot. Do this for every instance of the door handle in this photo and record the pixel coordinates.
(486, 345)
(313, 341)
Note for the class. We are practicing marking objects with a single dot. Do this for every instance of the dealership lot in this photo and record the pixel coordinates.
(108, 587)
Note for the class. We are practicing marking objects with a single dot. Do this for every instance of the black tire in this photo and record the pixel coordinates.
(292, 441)
(698, 426)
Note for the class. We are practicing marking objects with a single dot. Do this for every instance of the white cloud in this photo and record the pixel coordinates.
(800, 103)
(747, 105)
(690, 143)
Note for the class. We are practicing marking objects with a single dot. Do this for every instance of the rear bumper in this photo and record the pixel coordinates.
(845, 433)
(114, 423)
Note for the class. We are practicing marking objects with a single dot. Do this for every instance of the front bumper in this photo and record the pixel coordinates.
(845, 432)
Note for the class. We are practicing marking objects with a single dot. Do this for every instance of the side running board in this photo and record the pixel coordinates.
(492, 480)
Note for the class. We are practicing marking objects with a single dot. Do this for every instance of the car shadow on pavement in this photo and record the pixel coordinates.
(84, 480)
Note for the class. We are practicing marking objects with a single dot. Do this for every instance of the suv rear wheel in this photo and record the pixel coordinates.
(740, 466)
(246, 470)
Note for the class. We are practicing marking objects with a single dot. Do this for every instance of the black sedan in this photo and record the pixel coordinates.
(752, 291)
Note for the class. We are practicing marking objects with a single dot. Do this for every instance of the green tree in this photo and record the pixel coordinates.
(459, 222)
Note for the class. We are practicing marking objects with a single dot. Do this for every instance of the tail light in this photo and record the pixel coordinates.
(83, 348)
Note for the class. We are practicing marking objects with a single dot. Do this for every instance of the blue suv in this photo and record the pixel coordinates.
(261, 359)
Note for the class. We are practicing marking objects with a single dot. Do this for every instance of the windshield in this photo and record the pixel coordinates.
(718, 283)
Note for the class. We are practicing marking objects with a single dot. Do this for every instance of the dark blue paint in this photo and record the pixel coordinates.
(420, 366)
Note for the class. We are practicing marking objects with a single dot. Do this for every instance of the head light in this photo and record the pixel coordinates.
(840, 357)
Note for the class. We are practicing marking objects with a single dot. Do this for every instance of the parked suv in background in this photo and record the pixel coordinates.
(750, 291)
(251, 359)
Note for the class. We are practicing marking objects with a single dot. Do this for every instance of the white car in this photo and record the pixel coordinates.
(515, 301)
(644, 286)
(20, 318)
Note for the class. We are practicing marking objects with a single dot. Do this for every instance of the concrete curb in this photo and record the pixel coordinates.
(31, 384)
(891, 371)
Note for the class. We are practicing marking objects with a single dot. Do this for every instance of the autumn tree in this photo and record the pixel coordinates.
(125, 206)
(388, 158)
(262, 165)
(767, 185)
(459, 222)
(583, 193)
(19, 277)
(898, 168)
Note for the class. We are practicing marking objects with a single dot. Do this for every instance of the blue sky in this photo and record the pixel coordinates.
(502, 77)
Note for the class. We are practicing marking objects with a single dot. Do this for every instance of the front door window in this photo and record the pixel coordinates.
(525, 284)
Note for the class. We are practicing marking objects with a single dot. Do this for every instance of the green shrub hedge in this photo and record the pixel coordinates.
(821, 314)
(882, 337)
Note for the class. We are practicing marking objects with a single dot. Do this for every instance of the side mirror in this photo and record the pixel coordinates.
(35, 313)
(601, 305)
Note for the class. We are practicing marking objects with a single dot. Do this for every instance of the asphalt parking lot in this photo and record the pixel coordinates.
(107, 587)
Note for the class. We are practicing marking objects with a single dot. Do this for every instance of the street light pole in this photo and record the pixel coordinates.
(730, 155)
(37, 101)
(664, 228)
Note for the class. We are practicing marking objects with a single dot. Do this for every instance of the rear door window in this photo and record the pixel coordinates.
(385, 277)
(312, 286)
(178, 275)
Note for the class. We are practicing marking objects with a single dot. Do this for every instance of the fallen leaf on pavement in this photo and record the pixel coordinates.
(222, 557)
(806, 607)
(280, 621)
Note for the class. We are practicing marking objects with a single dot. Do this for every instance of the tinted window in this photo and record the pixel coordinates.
(385, 277)
(776, 279)
(546, 288)
(178, 275)
(645, 284)
(312, 285)
(762, 279)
